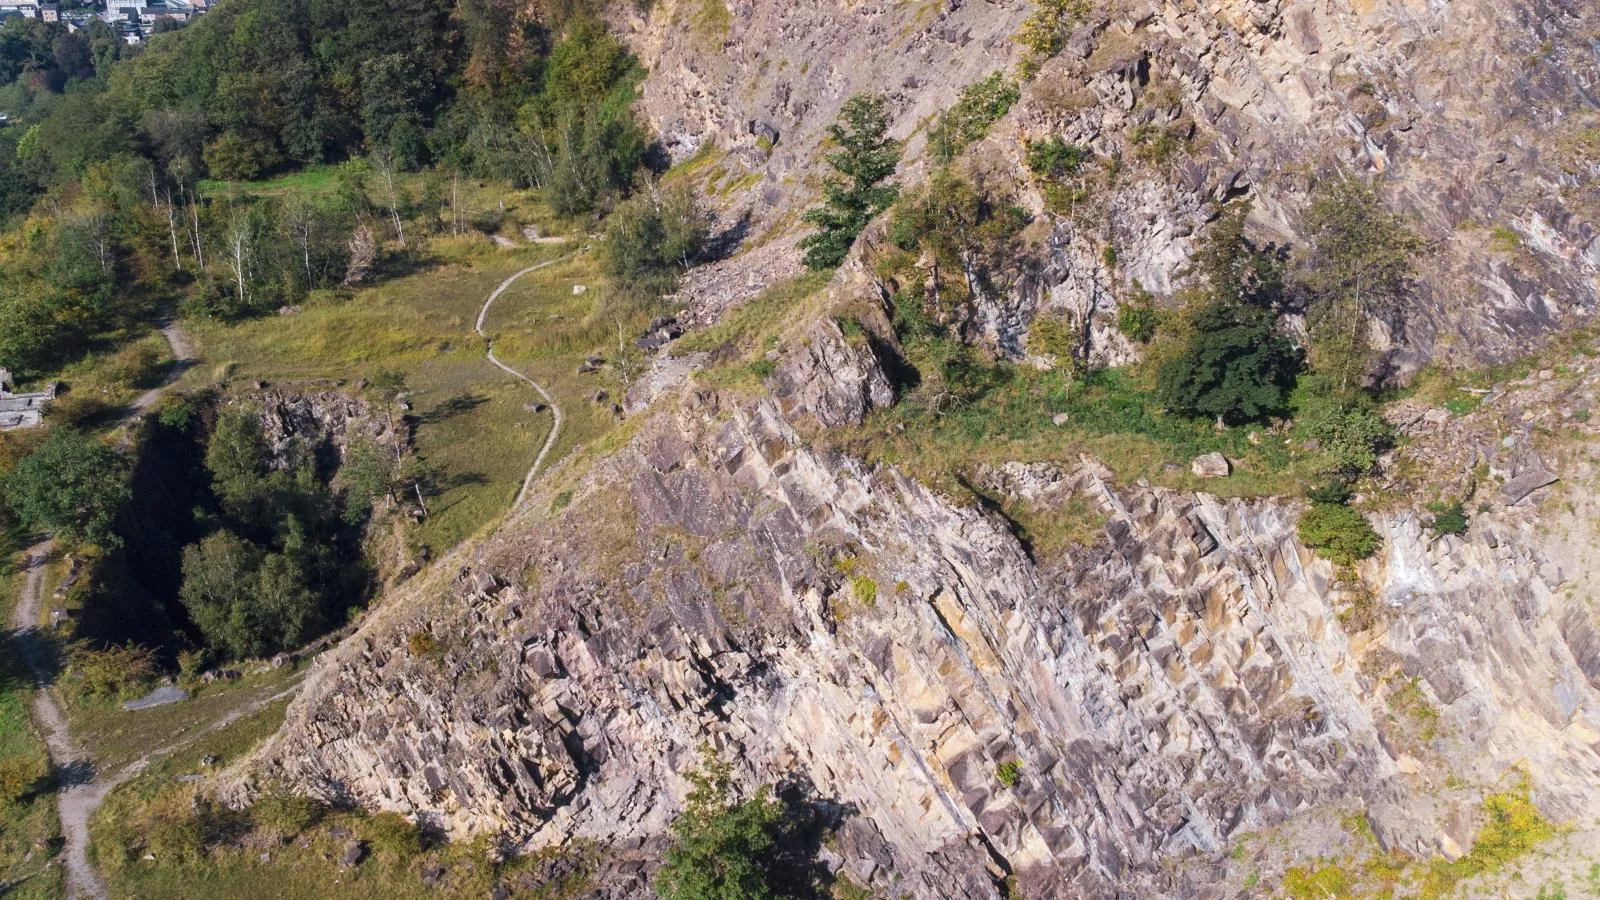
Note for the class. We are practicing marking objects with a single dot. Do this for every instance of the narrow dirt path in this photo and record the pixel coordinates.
(80, 792)
(555, 430)
(182, 355)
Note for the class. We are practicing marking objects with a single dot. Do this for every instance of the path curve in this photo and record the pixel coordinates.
(77, 798)
(555, 430)
(182, 354)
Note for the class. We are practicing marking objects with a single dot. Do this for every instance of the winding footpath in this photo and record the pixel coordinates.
(80, 792)
(82, 789)
(555, 430)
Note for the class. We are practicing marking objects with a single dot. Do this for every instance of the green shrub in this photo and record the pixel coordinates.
(1334, 492)
(393, 835)
(1052, 334)
(114, 671)
(71, 486)
(190, 664)
(1350, 431)
(1357, 266)
(1009, 773)
(1138, 320)
(1338, 533)
(1054, 158)
(865, 589)
(981, 104)
(1448, 518)
(1158, 144)
(720, 848)
(970, 227)
(1232, 364)
(651, 239)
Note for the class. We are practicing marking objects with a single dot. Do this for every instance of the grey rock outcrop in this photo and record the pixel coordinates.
(294, 418)
(1193, 674)
(1189, 677)
(1477, 117)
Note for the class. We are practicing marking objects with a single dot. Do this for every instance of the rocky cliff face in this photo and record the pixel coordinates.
(1192, 675)
(299, 419)
(1477, 116)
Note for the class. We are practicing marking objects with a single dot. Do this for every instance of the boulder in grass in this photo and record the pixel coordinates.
(1211, 465)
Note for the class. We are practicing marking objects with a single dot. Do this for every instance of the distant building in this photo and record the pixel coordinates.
(50, 12)
(13, 8)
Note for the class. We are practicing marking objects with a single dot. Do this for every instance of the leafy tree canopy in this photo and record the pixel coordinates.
(70, 486)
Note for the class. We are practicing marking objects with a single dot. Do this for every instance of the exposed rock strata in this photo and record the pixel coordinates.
(1477, 116)
(1185, 679)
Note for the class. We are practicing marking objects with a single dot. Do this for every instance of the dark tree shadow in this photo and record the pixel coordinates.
(462, 479)
(70, 774)
(724, 243)
(794, 868)
(399, 265)
(454, 406)
(29, 657)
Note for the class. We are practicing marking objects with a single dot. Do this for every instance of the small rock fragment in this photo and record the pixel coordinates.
(1521, 486)
(354, 853)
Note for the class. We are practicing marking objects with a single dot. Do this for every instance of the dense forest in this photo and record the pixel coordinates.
(126, 195)
(104, 165)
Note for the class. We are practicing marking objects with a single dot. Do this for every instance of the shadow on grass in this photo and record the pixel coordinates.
(454, 406)
(399, 265)
(462, 479)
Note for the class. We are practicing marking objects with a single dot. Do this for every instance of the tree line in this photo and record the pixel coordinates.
(106, 195)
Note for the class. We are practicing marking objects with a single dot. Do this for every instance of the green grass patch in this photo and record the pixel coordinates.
(1461, 390)
(755, 325)
(1009, 773)
(1513, 827)
(472, 421)
(1316, 881)
(309, 181)
(115, 737)
(1111, 416)
(545, 330)
(711, 21)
